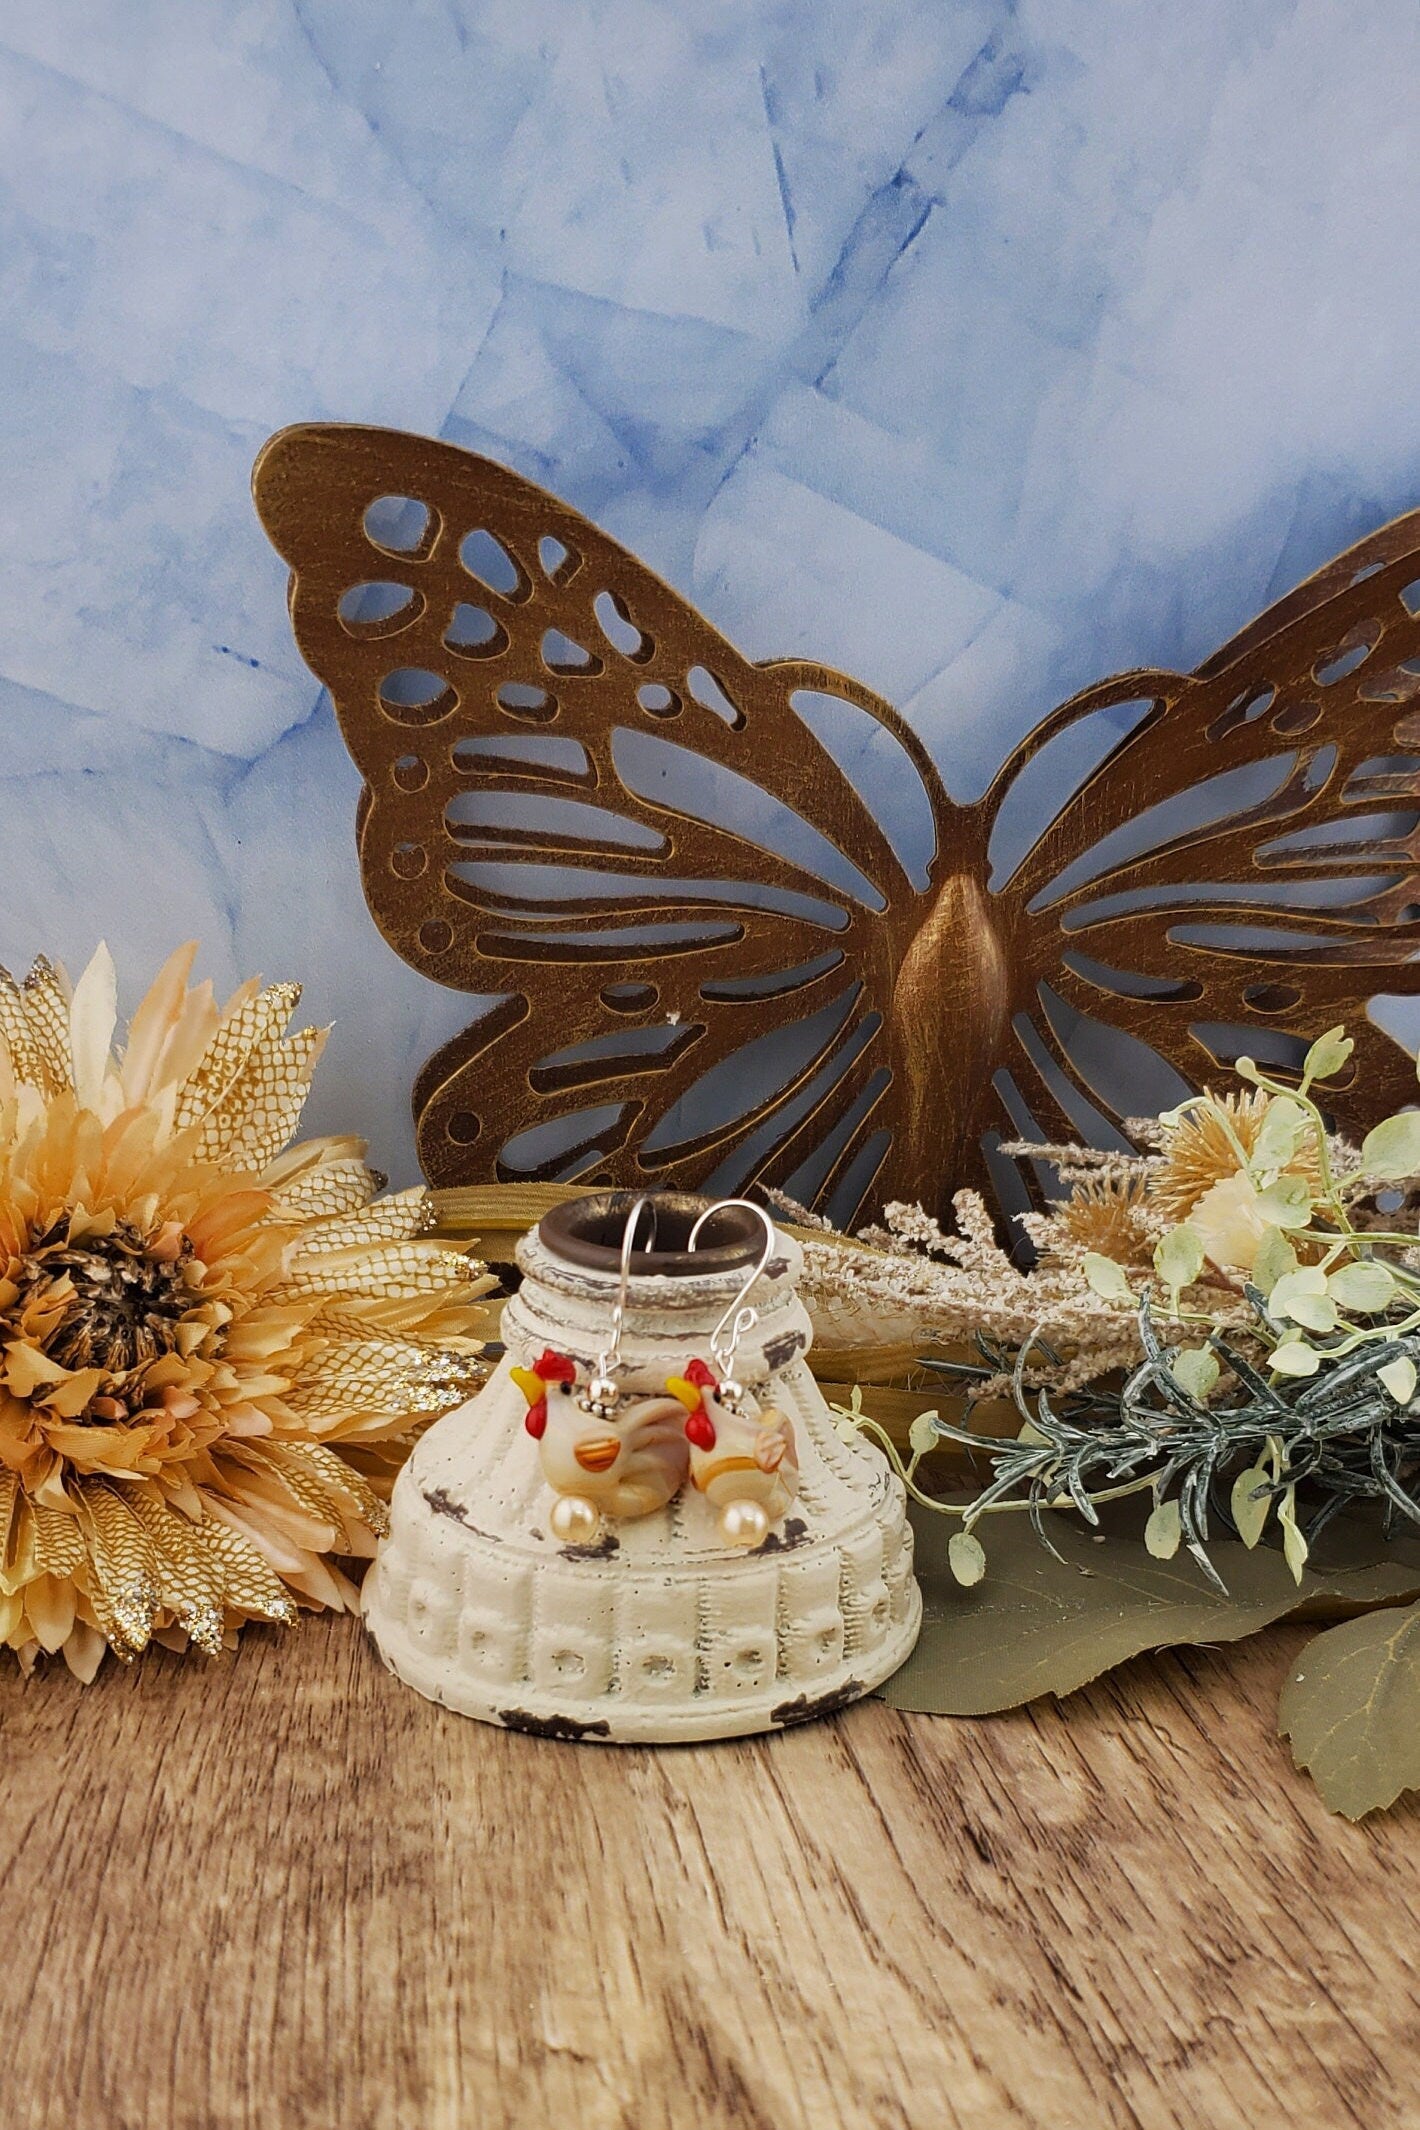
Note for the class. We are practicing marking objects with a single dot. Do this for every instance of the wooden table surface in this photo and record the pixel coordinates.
(282, 1891)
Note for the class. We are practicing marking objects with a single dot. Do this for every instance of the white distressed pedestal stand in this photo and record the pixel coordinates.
(658, 1631)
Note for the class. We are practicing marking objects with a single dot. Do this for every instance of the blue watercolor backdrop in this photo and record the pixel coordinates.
(980, 348)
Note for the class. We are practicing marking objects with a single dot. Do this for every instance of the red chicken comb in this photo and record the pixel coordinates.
(555, 1367)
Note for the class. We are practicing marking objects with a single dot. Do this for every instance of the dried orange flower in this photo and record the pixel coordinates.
(1198, 1153)
(1105, 1213)
(214, 1344)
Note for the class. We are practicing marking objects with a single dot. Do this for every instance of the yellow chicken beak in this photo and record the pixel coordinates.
(532, 1386)
(688, 1393)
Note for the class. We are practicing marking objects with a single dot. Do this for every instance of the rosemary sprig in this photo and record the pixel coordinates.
(1342, 1437)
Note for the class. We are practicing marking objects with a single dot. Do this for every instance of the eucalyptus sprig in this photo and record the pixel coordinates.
(1319, 1396)
(1326, 1291)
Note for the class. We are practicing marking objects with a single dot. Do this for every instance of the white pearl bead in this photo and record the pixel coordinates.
(574, 1520)
(744, 1523)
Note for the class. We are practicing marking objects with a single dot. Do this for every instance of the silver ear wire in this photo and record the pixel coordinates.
(741, 1316)
(602, 1393)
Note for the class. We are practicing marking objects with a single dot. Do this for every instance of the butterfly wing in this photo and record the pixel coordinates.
(580, 798)
(712, 961)
(1235, 869)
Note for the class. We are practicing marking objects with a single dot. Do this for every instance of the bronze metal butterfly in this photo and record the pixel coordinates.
(738, 931)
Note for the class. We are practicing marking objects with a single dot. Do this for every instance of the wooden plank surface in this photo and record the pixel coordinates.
(282, 1891)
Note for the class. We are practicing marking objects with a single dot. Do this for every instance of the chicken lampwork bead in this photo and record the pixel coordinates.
(605, 1449)
(743, 1457)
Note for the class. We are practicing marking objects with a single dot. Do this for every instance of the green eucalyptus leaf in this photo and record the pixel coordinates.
(1178, 1258)
(1287, 1203)
(1399, 1379)
(1282, 1126)
(1037, 1625)
(1294, 1545)
(1274, 1260)
(1392, 1149)
(1163, 1533)
(1314, 1312)
(966, 1559)
(922, 1435)
(1107, 1278)
(1352, 1711)
(1301, 1298)
(1196, 1368)
(1328, 1054)
(1365, 1284)
(1250, 1507)
(1295, 1358)
(1308, 1279)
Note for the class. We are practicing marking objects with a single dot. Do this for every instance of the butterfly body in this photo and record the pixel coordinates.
(950, 1012)
(715, 961)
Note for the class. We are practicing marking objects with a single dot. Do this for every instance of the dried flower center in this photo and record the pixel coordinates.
(123, 1305)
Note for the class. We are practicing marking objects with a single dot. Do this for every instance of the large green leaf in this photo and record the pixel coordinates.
(1352, 1711)
(1392, 1148)
(1037, 1625)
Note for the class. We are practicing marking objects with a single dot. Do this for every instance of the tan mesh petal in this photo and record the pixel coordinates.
(190, 1583)
(384, 1376)
(264, 1107)
(25, 1054)
(265, 1460)
(318, 1482)
(341, 1478)
(58, 1541)
(46, 1013)
(401, 1217)
(123, 1579)
(254, 1023)
(249, 1584)
(325, 1192)
(395, 1270)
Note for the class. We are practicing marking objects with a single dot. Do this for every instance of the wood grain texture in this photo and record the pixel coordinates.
(283, 1891)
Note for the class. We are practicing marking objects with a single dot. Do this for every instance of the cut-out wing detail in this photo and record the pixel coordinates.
(580, 797)
(1236, 867)
(720, 959)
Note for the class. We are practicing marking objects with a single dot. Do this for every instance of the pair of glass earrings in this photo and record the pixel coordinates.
(609, 1449)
